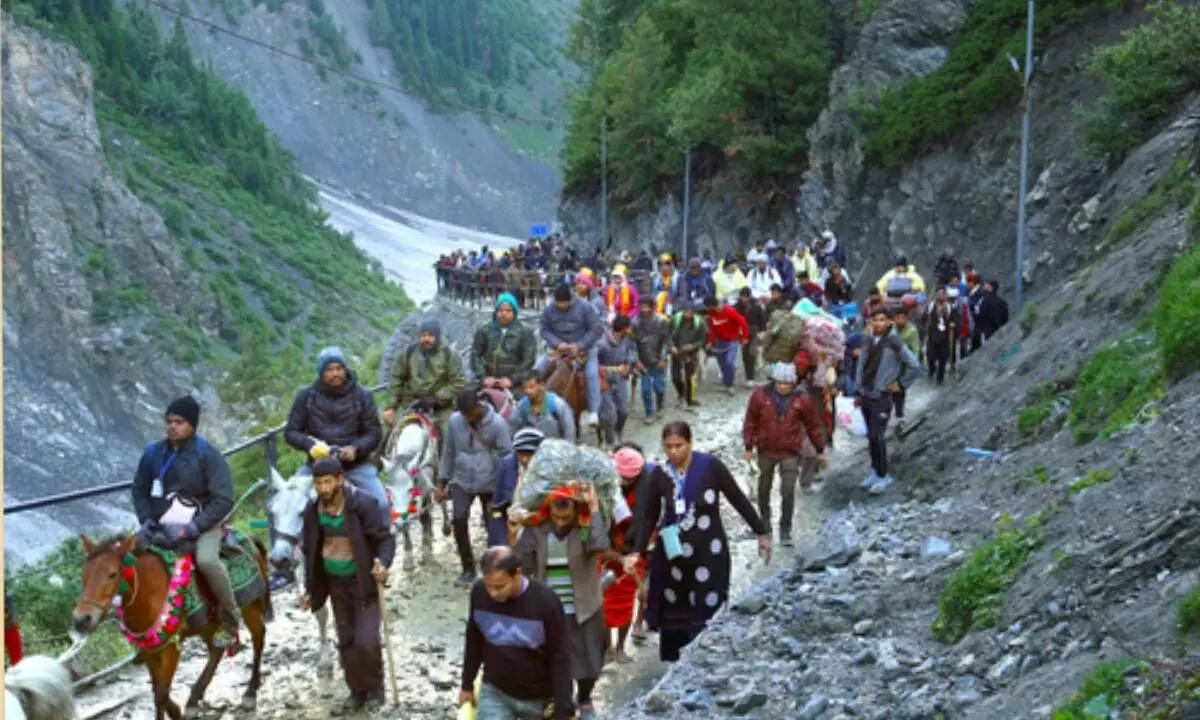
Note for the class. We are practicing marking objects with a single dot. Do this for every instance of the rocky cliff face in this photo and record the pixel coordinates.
(961, 195)
(382, 144)
(76, 406)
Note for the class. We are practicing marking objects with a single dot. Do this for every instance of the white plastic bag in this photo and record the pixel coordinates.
(849, 416)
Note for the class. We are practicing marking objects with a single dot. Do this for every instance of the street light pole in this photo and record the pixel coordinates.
(1018, 290)
(687, 194)
(603, 183)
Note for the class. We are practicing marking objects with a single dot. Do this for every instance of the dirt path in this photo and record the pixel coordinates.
(428, 612)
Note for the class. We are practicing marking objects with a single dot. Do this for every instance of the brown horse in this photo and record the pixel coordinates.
(566, 380)
(144, 597)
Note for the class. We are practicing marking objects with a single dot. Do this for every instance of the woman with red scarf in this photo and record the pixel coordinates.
(627, 589)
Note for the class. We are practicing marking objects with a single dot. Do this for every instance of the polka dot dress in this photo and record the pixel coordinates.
(698, 580)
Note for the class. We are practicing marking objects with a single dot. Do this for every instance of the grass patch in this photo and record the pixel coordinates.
(975, 80)
(1098, 694)
(1176, 315)
(1148, 73)
(1174, 189)
(972, 596)
(1092, 479)
(1188, 612)
(1037, 411)
(1028, 318)
(1114, 387)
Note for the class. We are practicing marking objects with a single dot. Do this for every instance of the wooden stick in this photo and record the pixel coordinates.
(387, 642)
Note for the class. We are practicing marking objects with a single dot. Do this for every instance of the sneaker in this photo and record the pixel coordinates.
(649, 420)
(785, 539)
(881, 485)
(870, 481)
(730, 391)
(589, 419)
(466, 579)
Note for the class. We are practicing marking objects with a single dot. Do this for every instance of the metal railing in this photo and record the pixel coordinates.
(270, 439)
(531, 288)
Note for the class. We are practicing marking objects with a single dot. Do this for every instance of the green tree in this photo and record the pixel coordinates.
(380, 29)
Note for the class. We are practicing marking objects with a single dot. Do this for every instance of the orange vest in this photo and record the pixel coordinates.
(624, 308)
(661, 302)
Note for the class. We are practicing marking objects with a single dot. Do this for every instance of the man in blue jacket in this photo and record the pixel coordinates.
(571, 326)
(525, 443)
(339, 412)
(185, 475)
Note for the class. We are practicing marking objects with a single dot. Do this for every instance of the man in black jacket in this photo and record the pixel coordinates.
(993, 311)
(337, 411)
(756, 318)
(348, 548)
(183, 477)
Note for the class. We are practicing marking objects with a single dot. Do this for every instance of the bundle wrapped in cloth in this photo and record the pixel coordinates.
(823, 338)
(559, 464)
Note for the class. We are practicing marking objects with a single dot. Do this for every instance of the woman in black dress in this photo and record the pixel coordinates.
(689, 580)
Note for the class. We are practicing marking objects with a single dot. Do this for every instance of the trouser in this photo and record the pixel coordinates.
(357, 624)
(898, 399)
(876, 413)
(726, 353)
(618, 392)
(789, 471)
(937, 355)
(497, 526)
(808, 469)
(654, 385)
(208, 562)
(750, 358)
(363, 476)
(683, 376)
(462, 514)
(591, 375)
(495, 705)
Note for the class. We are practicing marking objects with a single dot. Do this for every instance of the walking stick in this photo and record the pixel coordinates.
(387, 642)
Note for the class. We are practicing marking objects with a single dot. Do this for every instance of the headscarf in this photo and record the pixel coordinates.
(629, 462)
(566, 492)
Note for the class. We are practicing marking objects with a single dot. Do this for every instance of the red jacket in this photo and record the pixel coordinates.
(779, 436)
(728, 325)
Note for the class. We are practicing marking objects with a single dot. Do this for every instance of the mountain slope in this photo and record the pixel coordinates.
(384, 144)
(157, 241)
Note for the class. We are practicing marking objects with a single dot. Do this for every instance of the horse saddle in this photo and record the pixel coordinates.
(419, 418)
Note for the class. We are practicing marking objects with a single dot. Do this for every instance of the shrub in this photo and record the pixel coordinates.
(1098, 694)
(1113, 388)
(1176, 315)
(1188, 611)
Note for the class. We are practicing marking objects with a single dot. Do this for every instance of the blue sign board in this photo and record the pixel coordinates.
(539, 231)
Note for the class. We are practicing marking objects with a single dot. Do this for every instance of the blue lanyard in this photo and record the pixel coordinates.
(679, 480)
(162, 474)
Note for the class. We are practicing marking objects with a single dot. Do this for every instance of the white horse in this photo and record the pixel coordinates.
(289, 498)
(38, 688)
(410, 466)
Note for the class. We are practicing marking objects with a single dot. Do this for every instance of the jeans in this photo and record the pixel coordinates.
(654, 384)
(462, 514)
(591, 375)
(618, 392)
(876, 413)
(726, 353)
(683, 376)
(208, 562)
(363, 476)
(789, 472)
(495, 705)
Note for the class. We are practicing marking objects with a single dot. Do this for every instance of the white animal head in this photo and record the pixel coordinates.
(38, 688)
(411, 461)
(289, 497)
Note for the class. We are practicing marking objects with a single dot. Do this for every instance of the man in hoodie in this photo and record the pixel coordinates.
(428, 374)
(756, 318)
(787, 271)
(803, 262)
(830, 250)
(542, 409)
(476, 438)
(727, 330)
(693, 286)
(652, 335)
(729, 281)
(504, 350)
(779, 420)
(885, 366)
(838, 289)
(946, 269)
(688, 335)
(338, 412)
(570, 326)
(901, 280)
(618, 356)
(501, 529)
(993, 311)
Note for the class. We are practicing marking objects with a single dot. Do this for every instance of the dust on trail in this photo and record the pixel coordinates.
(428, 611)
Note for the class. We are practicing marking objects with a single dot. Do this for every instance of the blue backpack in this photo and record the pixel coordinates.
(524, 407)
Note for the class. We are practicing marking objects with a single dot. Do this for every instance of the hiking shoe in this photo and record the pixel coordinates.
(870, 481)
(730, 391)
(589, 419)
(466, 579)
(649, 420)
(785, 539)
(880, 485)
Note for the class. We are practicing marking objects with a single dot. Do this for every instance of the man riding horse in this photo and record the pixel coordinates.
(571, 328)
(428, 373)
(504, 350)
(184, 474)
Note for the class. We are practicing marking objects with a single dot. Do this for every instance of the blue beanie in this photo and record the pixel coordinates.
(328, 356)
(432, 326)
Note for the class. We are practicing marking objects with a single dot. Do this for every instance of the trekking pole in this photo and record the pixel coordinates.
(387, 641)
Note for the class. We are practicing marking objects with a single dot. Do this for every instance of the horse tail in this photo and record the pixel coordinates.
(45, 684)
(268, 605)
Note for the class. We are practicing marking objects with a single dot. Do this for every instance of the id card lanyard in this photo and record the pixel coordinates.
(680, 487)
(156, 488)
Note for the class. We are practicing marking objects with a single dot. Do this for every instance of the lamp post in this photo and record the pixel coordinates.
(687, 194)
(603, 183)
(1018, 289)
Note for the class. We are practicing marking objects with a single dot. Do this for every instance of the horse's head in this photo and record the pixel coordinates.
(289, 497)
(101, 580)
(409, 462)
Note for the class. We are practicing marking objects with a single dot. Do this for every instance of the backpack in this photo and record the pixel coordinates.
(551, 406)
(788, 336)
(156, 453)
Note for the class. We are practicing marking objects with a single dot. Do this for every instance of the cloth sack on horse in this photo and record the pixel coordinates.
(823, 338)
(560, 464)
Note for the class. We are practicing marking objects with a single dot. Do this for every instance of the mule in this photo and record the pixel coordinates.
(410, 465)
(566, 379)
(285, 508)
(38, 688)
(152, 616)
